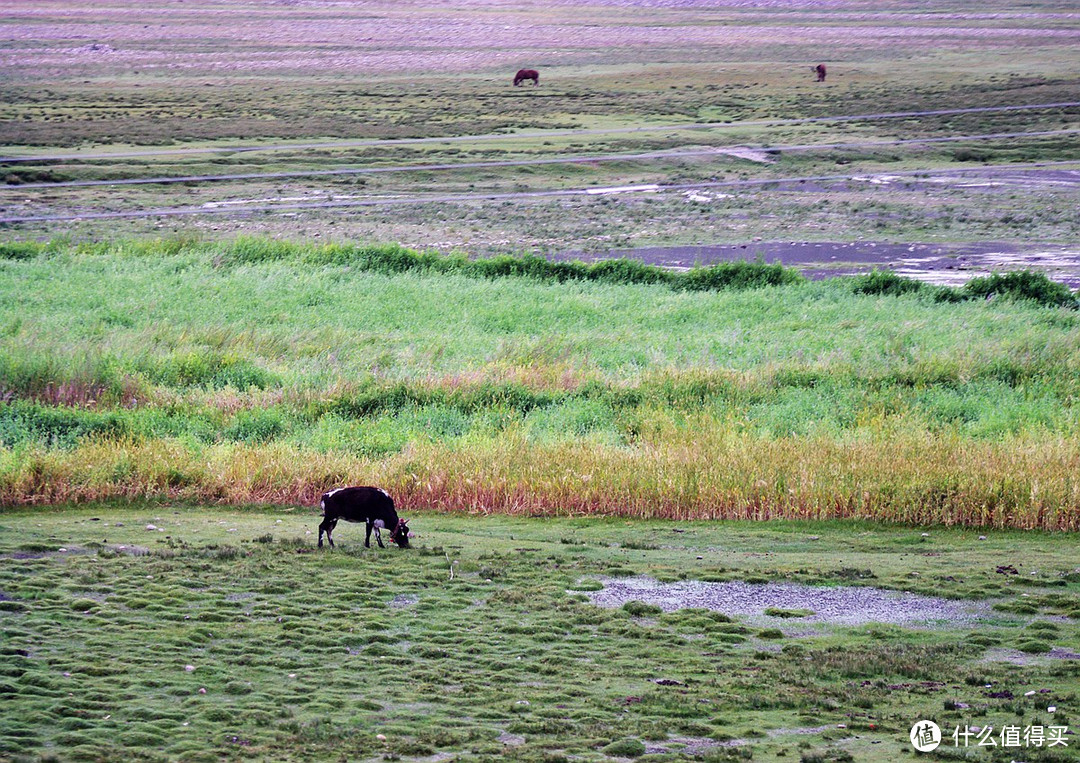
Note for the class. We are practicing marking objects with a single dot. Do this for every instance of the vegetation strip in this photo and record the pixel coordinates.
(652, 156)
(547, 133)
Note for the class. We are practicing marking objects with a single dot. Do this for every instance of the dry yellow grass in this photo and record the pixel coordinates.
(700, 469)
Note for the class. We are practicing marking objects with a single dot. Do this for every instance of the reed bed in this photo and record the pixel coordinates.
(704, 474)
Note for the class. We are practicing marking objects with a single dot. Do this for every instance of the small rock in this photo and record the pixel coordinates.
(189, 668)
(982, 537)
(381, 737)
(202, 690)
(1052, 709)
(151, 527)
(522, 702)
(1029, 693)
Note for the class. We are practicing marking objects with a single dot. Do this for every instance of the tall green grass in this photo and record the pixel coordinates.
(392, 258)
(262, 370)
(1017, 285)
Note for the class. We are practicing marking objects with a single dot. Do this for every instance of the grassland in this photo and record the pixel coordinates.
(165, 631)
(253, 371)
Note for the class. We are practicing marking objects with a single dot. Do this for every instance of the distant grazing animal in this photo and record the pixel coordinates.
(371, 505)
(524, 74)
(820, 71)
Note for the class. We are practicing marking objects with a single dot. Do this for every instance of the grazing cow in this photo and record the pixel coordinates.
(371, 505)
(820, 71)
(524, 74)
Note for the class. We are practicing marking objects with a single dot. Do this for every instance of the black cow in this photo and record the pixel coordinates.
(820, 71)
(371, 505)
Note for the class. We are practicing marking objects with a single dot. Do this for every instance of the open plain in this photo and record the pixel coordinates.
(735, 412)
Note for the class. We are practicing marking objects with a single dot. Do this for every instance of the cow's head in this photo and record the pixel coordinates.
(401, 534)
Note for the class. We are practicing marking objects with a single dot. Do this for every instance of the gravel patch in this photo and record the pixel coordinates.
(834, 605)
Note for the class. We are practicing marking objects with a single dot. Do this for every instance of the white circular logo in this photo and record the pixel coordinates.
(925, 736)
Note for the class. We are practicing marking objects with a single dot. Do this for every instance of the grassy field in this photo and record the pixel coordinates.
(258, 371)
(174, 632)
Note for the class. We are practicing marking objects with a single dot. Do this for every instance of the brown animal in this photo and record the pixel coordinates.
(820, 71)
(524, 74)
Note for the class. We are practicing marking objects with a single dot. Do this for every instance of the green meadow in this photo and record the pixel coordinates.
(252, 370)
(169, 632)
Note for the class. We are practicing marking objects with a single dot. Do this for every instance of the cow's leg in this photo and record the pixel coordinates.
(376, 525)
(328, 526)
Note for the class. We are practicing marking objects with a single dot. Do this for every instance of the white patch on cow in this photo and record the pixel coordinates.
(322, 505)
(336, 490)
(380, 524)
(383, 492)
